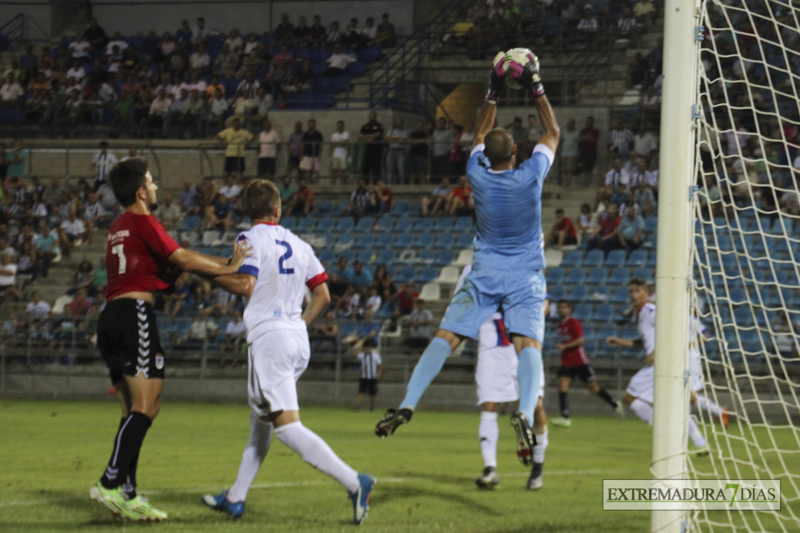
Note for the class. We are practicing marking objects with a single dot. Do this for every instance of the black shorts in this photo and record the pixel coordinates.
(127, 336)
(234, 164)
(294, 160)
(584, 372)
(587, 161)
(368, 386)
(266, 166)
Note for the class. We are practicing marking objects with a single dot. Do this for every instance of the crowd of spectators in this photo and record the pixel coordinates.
(175, 83)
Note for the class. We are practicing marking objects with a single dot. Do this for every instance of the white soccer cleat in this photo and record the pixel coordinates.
(620, 410)
(489, 479)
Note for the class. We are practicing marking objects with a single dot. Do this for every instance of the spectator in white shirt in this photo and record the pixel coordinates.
(644, 142)
(93, 213)
(230, 190)
(396, 166)
(103, 162)
(268, 141)
(80, 48)
(617, 176)
(651, 176)
(252, 44)
(234, 42)
(796, 163)
(71, 232)
(8, 277)
(370, 31)
(234, 335)
(260, 106)
(569, 151)
(37, 308)
(199, 61)
(587, 26)
(337, 62)
(339, 140)
(202, 329)
(200, 32)
(117, 41)
(10, 92)
(168, 213)
(217, 109)
(76, 72)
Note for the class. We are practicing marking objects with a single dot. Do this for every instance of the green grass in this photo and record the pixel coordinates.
(52, 452)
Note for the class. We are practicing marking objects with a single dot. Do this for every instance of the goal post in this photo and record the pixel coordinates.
(671, 396)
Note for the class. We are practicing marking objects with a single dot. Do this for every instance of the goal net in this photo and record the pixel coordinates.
(746, 252)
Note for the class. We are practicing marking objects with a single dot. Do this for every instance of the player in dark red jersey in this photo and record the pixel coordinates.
(139, 256)
(575, 363)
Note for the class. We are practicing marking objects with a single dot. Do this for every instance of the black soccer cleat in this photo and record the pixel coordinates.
(391, 421)
(526, 440)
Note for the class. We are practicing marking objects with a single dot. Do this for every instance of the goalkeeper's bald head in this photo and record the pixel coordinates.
(500, 148)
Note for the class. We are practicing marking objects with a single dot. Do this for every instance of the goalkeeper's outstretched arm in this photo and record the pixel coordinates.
(552, 134)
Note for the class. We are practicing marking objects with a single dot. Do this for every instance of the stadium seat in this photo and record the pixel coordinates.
(615, 258)
(324, 208)
(190, 223)
(464, 257)
(465, 240)
(406, 274)
(385, 257)
(366, 256)
(444, 224)
(449, 274)
(582, 311)
(348, 254)
(330, 240)
(401, 208)
(445, 257)
(289, 223)
(650, 224)
(306, 224)
(423, 225)
(643, 273)
(579, 293)
(651, 260)
(594, 258)
(385, 240)
(384, 224)
(620, 295)
(404, 240)
(327, 255)
(430, 292)
(620, 276)
(603, 313)
(557, 293)
(426, 256)
(463, 225)
(572, 258)
(576, 276)
(444, 241)
(554, 275)
(425, 240)
(365, 240)
(208, 250)
(365, 224)
(189, 236)
(210, 237)
(600, 292)
(404, 225)
(385, 312)
(597, 275)
(428, 274)
(345, 240)
(637, 258)
(344, 224)
(326, 225)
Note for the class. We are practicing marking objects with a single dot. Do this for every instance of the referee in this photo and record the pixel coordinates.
(371, 369)
(139, 258)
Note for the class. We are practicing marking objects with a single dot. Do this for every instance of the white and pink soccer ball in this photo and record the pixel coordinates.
(512, 63)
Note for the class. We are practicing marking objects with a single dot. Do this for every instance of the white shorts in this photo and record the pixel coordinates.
(641, 385)
(338, 163)
(496, 375)
(308, 163)
(276, 360)
(696, 369)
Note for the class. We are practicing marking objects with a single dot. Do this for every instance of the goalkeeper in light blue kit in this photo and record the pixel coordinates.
(509, 254)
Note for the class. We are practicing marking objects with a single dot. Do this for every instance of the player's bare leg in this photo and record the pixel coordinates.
(488, 433)
(536, 479)
(428, 367)
(563, 421)
(529, 377)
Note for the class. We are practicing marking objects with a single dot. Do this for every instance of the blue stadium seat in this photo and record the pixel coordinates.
(425, 240)
(594, 258)
(190, 223)
(324, 208)
(620, 295)
(365, 224)
(576, 276)
(208, 250)
(404, 225)
(600, 293)
(401, 208)
(620, 276)
(572, 258)
(384, 224)
(607, 331)
(404, 240)
(427, 256)
(559, 292)
(629, 332)
(348, 254)
(445, 257)
(385, 240)
(330, 240)
(579, 294)
(554, 275)
(616, 258)
(408, 273)
(289, 223)
(651, 241)
(385, 312)
(597, 275)
(327, 255)
(423, 225)
(345, 224)
(582, 311)
(428, 275)
(306, 224)
(743, 316)
(366, 256)
(592, 347)
(365, 240)
(463, 225)
(348, 327)
(464, 241)
(340, 207)
(345, 239)
(326, 225)
(643, 273)
(445, 240)
(637, 258)
(603, 313)
(444, 224)
(650, 224)
(651, 260)
(385, 257)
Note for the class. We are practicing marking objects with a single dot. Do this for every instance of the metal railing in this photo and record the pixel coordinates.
(13, 30)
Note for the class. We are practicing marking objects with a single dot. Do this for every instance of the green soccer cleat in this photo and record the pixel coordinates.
(114, 500)
(562, 422)
(146, 512)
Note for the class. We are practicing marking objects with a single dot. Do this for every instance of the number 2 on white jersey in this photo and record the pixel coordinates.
(123, 263)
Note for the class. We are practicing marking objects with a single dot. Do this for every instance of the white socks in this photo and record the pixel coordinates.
(704, 403)
(489, 433)
(643, 410)
(694, 433)
(541, 446)
(314, 451)
(254, 454)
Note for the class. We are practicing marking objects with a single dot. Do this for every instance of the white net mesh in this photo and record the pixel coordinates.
(747, 252)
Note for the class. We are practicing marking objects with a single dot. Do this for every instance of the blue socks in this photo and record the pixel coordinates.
(428, 367)
(529, 379)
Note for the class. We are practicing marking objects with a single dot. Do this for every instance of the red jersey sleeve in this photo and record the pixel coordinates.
(158, 240)
(575, 329)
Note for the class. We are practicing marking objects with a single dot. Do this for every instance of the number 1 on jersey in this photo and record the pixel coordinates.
(284, 257)
(123, 263)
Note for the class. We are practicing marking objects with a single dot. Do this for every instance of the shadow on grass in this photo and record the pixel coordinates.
(394, 493)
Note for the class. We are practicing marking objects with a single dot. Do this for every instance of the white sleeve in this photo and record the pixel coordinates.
(647, 327)
(546, 151)
(476, 149)
(251, 264)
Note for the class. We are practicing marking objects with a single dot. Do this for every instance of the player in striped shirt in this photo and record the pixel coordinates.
(371, 369)
(575, 364)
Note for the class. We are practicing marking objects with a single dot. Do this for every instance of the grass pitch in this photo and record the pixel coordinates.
(52, 452)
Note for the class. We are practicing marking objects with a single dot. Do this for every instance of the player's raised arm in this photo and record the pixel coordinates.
(531, 80)
(497, 81)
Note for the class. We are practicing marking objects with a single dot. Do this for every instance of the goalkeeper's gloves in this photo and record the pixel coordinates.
(530, 78)
(497, 78)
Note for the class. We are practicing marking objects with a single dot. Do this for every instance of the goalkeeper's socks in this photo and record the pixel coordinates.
(606, 397)
(489, 433)
(643, 410)
(696, 435)
(529, 375)
(428, 367)
(704, 403)
(254, 454)
(563, 404)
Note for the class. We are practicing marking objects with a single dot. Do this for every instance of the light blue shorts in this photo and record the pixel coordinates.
(519, 296)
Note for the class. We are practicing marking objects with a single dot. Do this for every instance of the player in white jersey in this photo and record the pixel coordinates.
(496, 379)
(697, 334)
(274, 277)
(639, 394)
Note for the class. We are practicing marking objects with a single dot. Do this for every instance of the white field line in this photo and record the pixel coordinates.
(282, 485)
